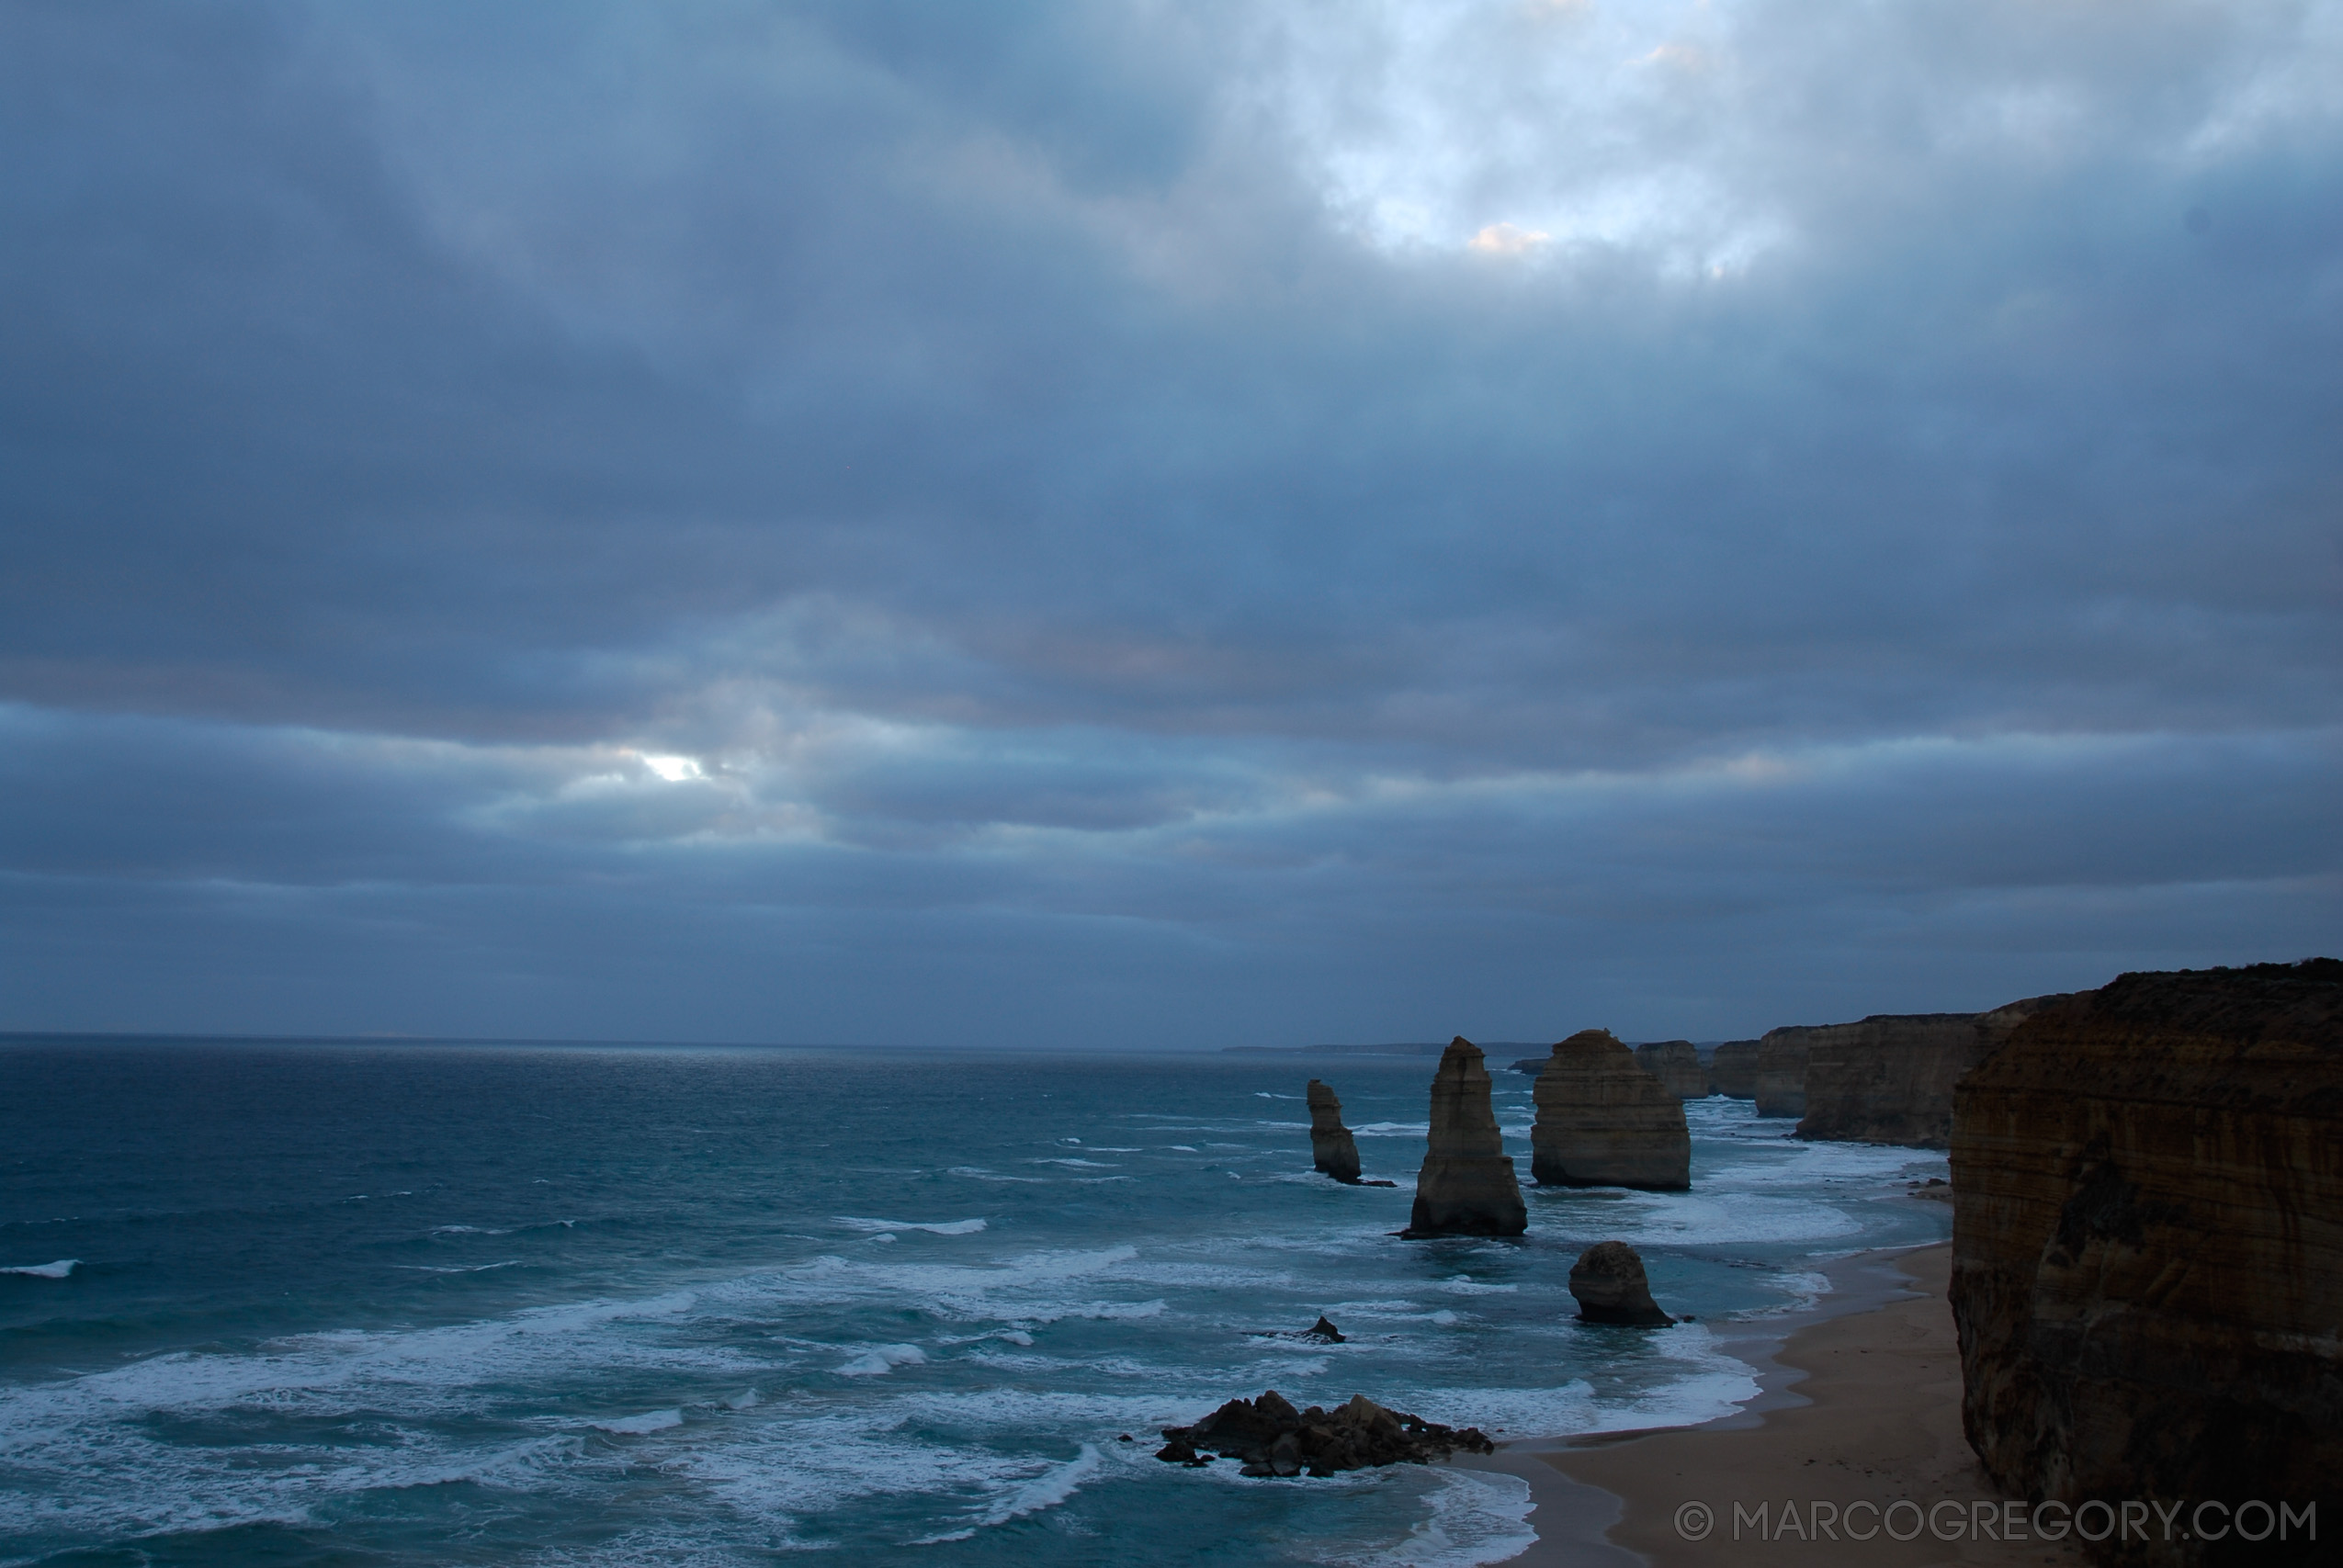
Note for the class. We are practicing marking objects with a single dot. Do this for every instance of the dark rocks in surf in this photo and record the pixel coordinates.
(1468, 1186)
(1608, 1280)
(1332, 1149)
(1324, 1331)
(1269, 1437)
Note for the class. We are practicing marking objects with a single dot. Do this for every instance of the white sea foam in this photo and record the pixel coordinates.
(636, 1426)
(1476, 1518)
(1393, 1130)
(1048, 1490)
(884, 1360)
(60, 1270)
(1077, 1164)
(934, 1228)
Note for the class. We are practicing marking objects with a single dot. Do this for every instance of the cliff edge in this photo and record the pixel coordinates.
(1888, 1078)
(2148, 1252)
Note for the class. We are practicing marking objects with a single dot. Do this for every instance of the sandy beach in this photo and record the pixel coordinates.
(1862, 1408)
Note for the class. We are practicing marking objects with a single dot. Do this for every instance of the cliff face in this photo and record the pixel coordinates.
(1333, 1150)
(2148, 1249)
(1467, 1186)
(1677, 1065)
(1780, 1087)
(1732, 1069)
(1605, 1121)
(1889, 1079)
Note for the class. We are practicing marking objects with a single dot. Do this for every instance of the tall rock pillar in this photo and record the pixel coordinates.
(1332, 1149)
(1466, 1187)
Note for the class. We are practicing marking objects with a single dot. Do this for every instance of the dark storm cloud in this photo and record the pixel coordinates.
(1238, 499)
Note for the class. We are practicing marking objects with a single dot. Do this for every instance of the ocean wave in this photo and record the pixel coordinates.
(1476, 1518)
(878, 1362)
(60, 1270)
(934, 1228)
(637, 1425)
(1050, 1488)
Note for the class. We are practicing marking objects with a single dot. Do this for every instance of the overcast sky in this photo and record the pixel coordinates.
(1161, 526)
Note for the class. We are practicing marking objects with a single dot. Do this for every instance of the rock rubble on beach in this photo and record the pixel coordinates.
(1468, 1186)
(1272, 1438)
(1333, 1150)
(1608, 1280)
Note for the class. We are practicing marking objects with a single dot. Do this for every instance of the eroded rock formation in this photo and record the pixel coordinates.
(1272, 1438)
(1467, 1186)
(1677, 1065)
(1780, 1087)
(1732, 1069)
(2148, 1249)
(1332, 1149)
(1608, 1280)
(1605, 1121)
(1888, 1078)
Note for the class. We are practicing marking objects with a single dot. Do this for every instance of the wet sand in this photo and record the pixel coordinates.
(1862, 1407)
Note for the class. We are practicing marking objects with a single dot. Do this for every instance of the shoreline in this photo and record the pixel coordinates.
(1859, 1401)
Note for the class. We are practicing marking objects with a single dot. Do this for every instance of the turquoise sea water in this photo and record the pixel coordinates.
(327, 1303)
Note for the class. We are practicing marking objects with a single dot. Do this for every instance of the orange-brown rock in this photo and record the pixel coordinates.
(1780, 1087)
(1677, 1065)
(1605, 1121)
(1732, 1069)
(1333, 1150)
(2148, 1252)
(1888, 1078)
(1609, 1284)
(1468, 1186)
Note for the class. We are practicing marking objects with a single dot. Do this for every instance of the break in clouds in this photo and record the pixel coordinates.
(1084, 524)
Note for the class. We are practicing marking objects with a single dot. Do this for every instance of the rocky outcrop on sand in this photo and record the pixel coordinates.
(1780, 1087)
(1332, 1149)
(1677, 1065)
(2148, 1250)
(1888, 1078)
(1605, 1121)
(1732, 1069)
(1467, 1186)
(1608, 1280)
(1270, 1438)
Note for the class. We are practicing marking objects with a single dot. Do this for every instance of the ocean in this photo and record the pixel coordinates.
(320, 1303)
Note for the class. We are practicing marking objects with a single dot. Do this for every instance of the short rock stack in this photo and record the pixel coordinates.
(1605, 1121)
(1608, 1280)
(1468, 1186)
(1272, 1438)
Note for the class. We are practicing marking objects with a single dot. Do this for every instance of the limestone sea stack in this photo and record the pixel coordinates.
(1677, 1065)
(1605, 1121)
(1608, 1280)
(1468, 1186)
(1332, 1149)
(1732, 1069)
(1888, 1078)
(2147, 1253)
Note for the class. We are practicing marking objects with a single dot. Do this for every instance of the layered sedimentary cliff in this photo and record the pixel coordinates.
(1732, 1069)
(1333, 1150)
(1780, 1086)
(1605, 1121)
(2149, 1251)
(1888, 1078)
(1677, 1065)
(1467, 1186)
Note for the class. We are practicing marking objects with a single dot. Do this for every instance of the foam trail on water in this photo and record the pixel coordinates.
(934, 1228)
(57, 1270)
